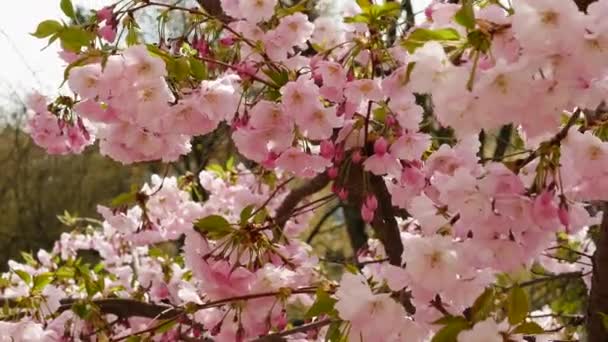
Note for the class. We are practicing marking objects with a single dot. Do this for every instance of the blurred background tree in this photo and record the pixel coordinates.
(36, 187)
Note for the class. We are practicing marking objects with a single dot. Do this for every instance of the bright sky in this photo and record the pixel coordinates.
(23, 65)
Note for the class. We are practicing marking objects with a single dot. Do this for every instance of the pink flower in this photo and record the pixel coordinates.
(300, 96)
(257, 10)
(108, 32)
(411, 146)
(302, 164)
(328, 149)
(381, 163)
(364, 89)
(319, 123)
(105, 14)
(372, 316)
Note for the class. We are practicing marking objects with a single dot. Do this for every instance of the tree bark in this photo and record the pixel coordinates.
(598, 298)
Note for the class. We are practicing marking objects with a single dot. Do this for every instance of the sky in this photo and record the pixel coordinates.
(24, 66)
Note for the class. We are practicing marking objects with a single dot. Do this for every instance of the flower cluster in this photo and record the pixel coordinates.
(474, 144)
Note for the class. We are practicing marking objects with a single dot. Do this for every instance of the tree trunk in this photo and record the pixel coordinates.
(598, 298)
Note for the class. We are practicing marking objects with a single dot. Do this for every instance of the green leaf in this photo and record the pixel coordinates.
(364, 4)
(29, 259)
(65, 272)
(68, 9)
(479, 40)
(42, 280)
(26, 277)
(604, 320)
(166, 326)
(261, 216)
(528, 328)
(280, 78)
(450, 332)
(246, 213)
(388, 9)
(482, 307)
(217, 168)
(517, 305)
(421, 36)
(47, 28)
(324, 304)
(447, 320)
(126, 198)
(132, 36)
(178, 68)
(466, 15)
(198, 69)
(214, 226)
(299, 7)
(333, 333)
(230, 163)
(363, 18)
(74, 38)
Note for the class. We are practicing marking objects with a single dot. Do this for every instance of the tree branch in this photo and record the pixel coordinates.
(297, 195)
(598, 296)
(279, 337)
(384, 223)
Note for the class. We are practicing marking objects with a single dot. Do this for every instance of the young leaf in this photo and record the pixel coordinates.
(517, 305)
(42, 280)
(68, 8)
(450, 332)
(421, 36)
(483, 305)
(324, 304)
(47, 28)
(529, 328)
(466, 15)
(214, 226)
(26, 277)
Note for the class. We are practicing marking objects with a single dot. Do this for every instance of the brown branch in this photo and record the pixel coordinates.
(598, 296)
(296, 195)
(384, 223)
(556, 140)
(279, 337)
(128, 308)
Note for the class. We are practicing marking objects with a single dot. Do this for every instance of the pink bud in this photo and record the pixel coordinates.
(563, 215)
(339, 154)
(105, 14)
(390, 120)
(343, 194)
(371, 202)
(328, 149)
(245, 70)
(356, 157)
(108, 33)
(380, 146)
(428, 12)
(270, 161)
(332, 172)
(367, 214)
(227, 41)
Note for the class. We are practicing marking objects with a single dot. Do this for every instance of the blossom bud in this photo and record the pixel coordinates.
(564, 217)
(227, 41)
(367, 214)
(108, 33)
(327, 149)
(380, 146)
(371, 202)
(332, 172)
(105, 13)
(343, 194)
(356, 157)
